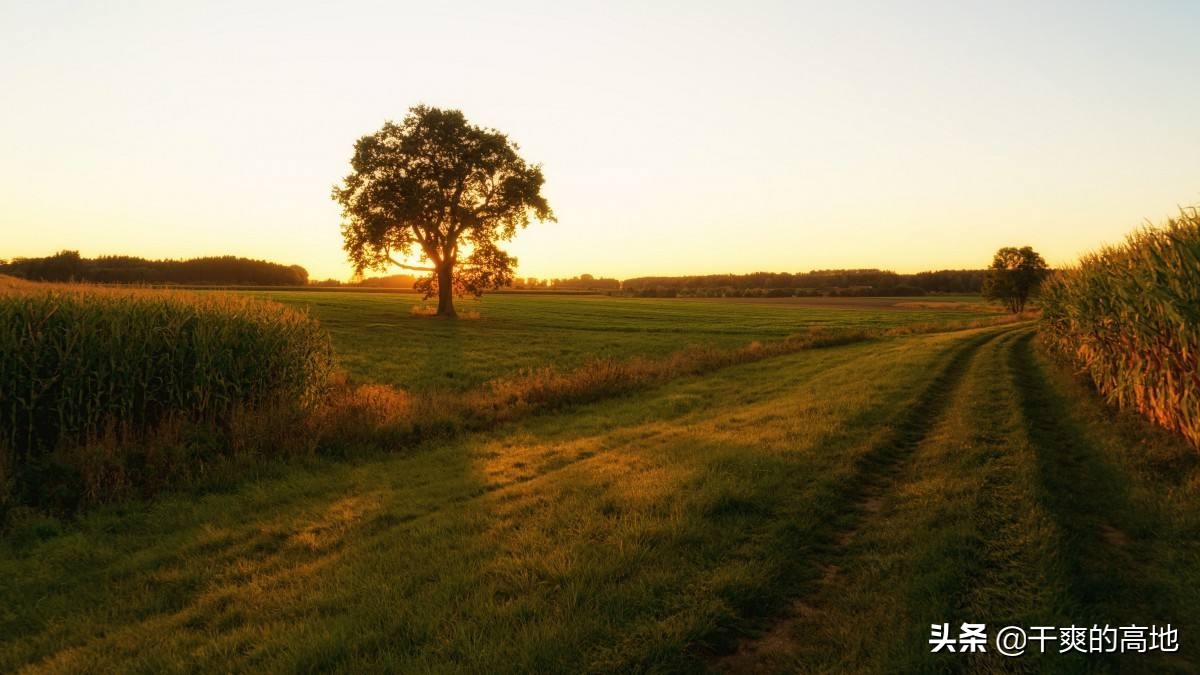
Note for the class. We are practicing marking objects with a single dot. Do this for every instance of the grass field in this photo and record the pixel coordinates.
(379, 340)
(810, 512)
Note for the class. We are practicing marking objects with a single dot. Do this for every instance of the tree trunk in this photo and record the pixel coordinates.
(445, 292)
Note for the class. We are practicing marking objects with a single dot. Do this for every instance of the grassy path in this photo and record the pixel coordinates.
(1013, 504)
(877, 474)
(833, 503)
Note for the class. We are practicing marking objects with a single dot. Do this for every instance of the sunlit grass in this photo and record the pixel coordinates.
(533, 547)
(378, 339)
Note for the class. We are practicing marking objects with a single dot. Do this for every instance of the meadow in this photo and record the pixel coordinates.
(814, 511)
(379, 340)
(789, 488)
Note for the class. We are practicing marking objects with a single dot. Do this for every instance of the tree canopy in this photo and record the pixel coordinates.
(1014, 275)
(447, 191)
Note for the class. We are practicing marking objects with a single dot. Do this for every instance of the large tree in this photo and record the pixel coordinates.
(1014, 276)
(445, 190)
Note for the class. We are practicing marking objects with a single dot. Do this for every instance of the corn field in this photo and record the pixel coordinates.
(1129, 316)
(78, 362)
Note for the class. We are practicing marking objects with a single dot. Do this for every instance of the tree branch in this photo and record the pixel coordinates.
(397, 263)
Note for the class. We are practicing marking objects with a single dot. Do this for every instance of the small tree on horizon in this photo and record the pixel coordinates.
(448, 191)
(1014, 276)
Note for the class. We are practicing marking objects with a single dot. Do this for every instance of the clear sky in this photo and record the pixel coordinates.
(676, 138)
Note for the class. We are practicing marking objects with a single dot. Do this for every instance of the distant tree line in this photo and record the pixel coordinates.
(123, 269)
(583, 282)
(231, 270)
(836, 283)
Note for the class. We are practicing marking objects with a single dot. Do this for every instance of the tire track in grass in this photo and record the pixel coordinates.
(1007, 514)
(1009, 577)
(976, 542)
(961, 538)
(872, 476)
(877, 469)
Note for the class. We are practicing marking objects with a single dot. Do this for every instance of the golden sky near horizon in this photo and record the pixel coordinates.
(676, 138)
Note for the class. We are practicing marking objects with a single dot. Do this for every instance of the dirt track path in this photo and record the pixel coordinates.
(990, 502)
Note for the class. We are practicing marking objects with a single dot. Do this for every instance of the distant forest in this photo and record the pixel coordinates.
(230, 270)
(123, 269)
(837, 283)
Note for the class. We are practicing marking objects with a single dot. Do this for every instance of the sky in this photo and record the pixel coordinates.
(676, 137)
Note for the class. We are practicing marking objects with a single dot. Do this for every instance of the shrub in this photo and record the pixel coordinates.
(82, 365)
(1129, 316)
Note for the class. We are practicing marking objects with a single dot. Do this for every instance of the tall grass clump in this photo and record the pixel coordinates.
(85, 366)
(1129, 316)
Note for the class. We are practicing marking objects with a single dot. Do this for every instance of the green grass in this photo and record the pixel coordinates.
(1020, 503)
(832, 502)
(378, 340)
